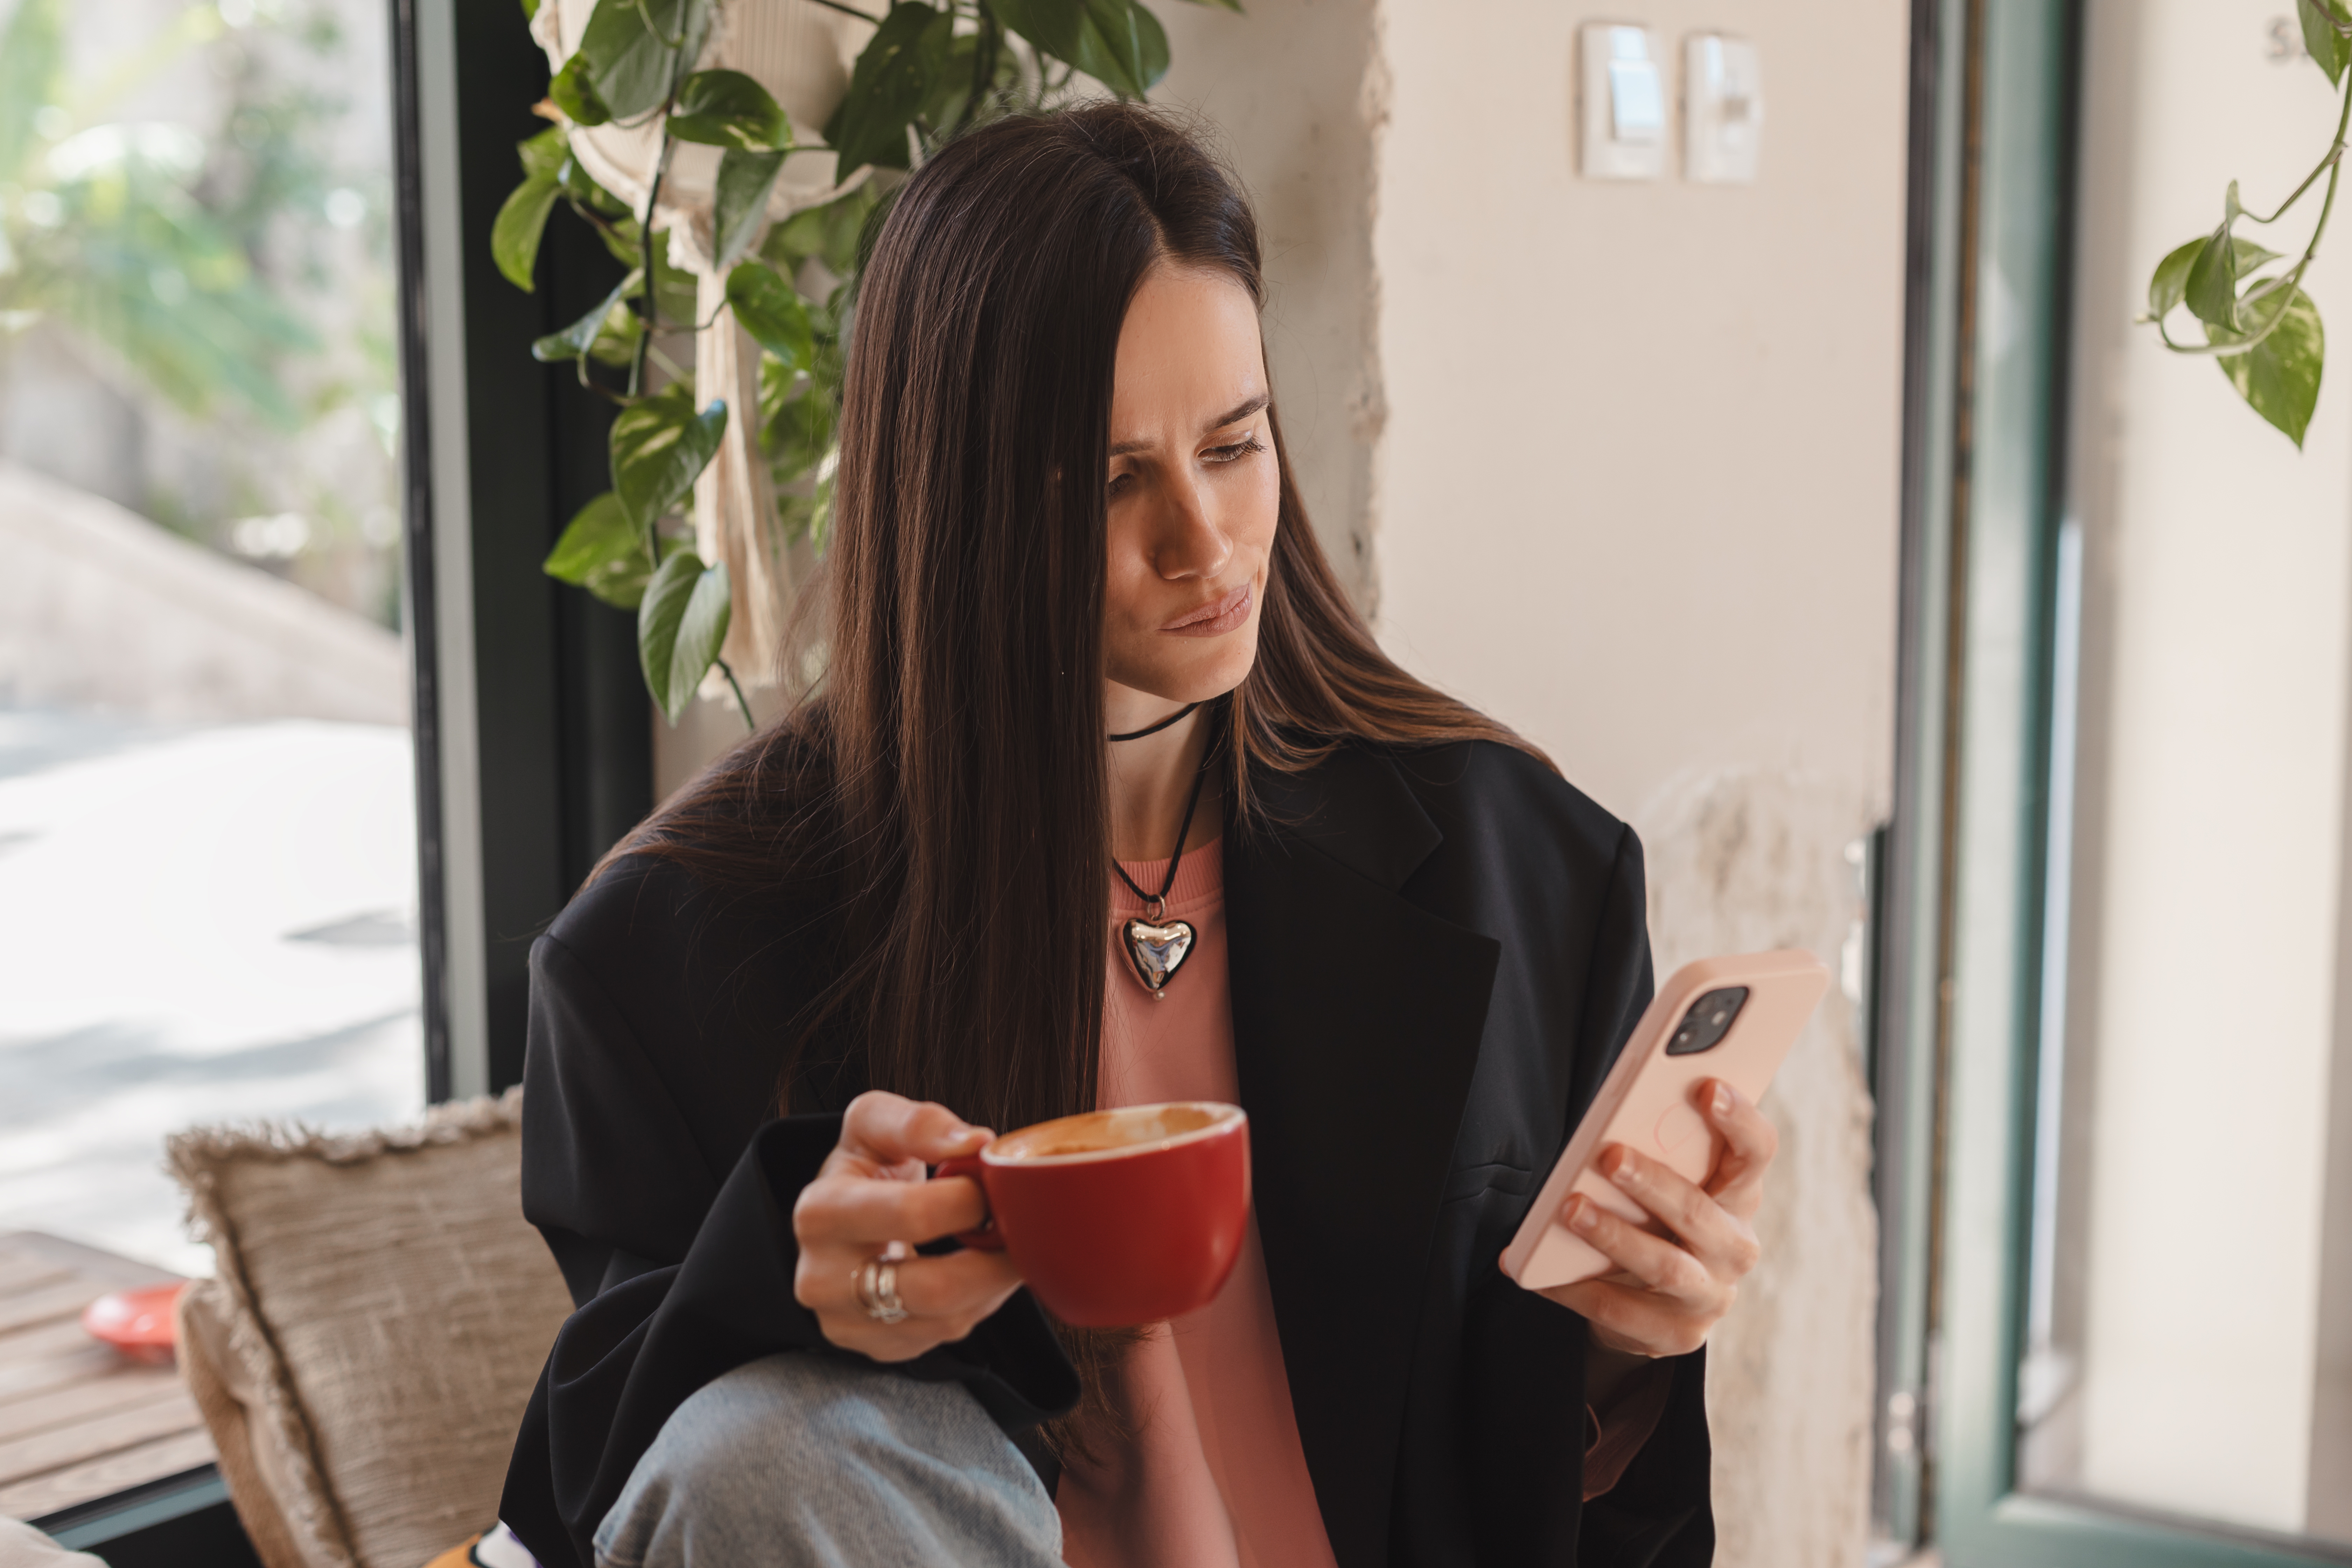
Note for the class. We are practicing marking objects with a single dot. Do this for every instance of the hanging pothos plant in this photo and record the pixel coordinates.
(929, 72)
(2263, 332)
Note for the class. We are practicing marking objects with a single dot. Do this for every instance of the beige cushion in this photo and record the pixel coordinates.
(380, 1313)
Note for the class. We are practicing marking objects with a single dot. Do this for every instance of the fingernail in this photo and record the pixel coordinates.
(1623, 1171)
(1724, 1098)
(1581, 1213)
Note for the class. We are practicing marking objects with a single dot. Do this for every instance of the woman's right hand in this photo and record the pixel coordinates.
(871, 1192)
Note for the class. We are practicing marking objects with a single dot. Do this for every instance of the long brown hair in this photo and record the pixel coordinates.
(947, 780)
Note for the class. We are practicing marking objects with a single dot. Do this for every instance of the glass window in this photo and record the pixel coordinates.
(207, 856)
(2190, 1296)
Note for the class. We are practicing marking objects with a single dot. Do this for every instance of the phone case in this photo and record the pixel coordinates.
(1647, 1102)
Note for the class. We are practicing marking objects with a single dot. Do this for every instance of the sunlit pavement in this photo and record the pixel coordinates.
(196, 925)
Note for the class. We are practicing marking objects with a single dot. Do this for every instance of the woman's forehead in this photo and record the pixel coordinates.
(1189, 351)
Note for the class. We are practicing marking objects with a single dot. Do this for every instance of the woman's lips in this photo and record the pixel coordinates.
(1214, 619)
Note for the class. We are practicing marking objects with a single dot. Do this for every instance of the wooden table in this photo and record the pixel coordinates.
(77, 1420)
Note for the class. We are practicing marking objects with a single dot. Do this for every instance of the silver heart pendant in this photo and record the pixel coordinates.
(1157, 952)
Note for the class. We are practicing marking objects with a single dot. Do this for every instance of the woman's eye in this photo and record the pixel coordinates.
(1121, 483)
(1235, 451)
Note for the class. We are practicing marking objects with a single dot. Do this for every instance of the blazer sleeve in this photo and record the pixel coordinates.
(681, 1272)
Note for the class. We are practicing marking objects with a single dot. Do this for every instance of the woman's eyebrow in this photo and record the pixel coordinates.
(1242, 410)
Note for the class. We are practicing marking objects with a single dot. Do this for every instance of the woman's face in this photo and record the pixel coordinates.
(1194, 489)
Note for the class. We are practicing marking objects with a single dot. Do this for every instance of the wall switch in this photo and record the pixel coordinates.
(1723, 110)
(1624, 103)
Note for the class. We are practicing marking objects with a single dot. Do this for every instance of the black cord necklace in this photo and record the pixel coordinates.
(1154, 729)
(1156, 947)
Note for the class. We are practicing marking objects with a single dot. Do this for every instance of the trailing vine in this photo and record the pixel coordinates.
(929, 72)
(2264, 332)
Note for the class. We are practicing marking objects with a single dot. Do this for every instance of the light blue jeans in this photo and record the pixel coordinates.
(808, 1461)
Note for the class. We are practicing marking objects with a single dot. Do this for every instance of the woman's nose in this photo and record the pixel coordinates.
(1191, 544)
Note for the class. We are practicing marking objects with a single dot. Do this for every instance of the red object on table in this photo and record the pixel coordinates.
(138, 1323)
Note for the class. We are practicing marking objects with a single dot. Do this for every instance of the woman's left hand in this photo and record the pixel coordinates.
(1669, 1291)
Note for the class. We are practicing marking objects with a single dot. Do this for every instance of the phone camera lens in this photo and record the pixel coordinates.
(1710, 1019)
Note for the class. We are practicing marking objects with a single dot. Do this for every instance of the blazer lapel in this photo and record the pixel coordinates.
(1356, 1018)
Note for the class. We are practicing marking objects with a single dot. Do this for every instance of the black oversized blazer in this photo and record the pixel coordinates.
(1434, 955)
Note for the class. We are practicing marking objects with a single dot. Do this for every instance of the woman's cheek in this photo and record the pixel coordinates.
(1266, 504)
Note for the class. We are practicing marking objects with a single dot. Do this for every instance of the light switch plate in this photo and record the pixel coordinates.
(1723, 110)
(1623, 99)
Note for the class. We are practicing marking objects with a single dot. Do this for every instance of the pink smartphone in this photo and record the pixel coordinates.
(1732, 1018)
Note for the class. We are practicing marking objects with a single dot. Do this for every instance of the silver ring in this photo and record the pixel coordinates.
(876, 1284)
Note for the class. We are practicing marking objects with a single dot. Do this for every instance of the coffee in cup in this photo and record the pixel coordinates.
(1118, 1218)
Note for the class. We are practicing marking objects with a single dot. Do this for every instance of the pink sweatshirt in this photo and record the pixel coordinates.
(1213, 1476)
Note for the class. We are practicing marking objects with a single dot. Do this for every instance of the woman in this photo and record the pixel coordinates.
(1080, 629)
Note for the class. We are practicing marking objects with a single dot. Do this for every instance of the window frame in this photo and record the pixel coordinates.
(534, 735)
(1974, 779)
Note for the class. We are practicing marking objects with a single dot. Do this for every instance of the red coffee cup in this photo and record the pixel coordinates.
(1118, 1218)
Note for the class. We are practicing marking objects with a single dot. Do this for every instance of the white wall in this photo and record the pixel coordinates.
(1638, 492)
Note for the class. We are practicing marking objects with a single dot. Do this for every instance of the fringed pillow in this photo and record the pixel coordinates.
(379, 1315)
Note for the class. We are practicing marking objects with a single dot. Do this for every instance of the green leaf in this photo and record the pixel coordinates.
(819, 525)
(630, 63)
(621, 582)
(2170, 282)
(32, 59)
(582, 187)
(603, 552)
(674, 287)
(893, 77)
(799, 433)
(620, 239)
(794, 516)
(1233, 6)
(143, 270)
(828, 233)
(659, 443)
(1118, 42)
(728, 109)
(777, 384)
(1123, 46)
(542, 155)
(740, 206)
(2320, 39)
(767, 308)
(575, 94)
(2212, 283)
(2279, 378)
(952, 84)
(514, 236)
(1052, 26)
(681, 625)
(615, 343)
(576, 340)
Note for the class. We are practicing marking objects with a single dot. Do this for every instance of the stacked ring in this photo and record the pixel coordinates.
(876, 1281)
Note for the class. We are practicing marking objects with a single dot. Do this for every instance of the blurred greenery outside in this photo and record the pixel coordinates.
(184, 219)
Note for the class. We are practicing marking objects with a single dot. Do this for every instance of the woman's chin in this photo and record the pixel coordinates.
(1207, 670)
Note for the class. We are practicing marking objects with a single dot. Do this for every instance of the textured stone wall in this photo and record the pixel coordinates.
(1742, 860)
(100, 608)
